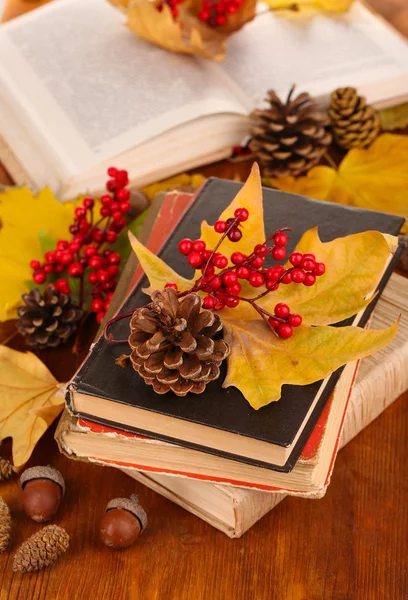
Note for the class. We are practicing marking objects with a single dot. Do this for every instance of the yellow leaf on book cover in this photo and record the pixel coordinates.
(27, 222)
(325, 5)
(28, 401)
(375, 178)
(260, 363)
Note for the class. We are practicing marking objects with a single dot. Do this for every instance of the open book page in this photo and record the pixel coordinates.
(94, 89)
(318, 53)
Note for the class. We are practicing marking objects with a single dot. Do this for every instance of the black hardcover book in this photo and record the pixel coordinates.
(283, 426)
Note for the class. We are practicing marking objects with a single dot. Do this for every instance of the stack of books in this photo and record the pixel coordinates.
(213, 454)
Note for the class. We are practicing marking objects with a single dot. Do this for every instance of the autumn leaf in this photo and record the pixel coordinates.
(260, 363)
(174, 183)
(325, 5)
(28, 221)
(375, 178)
(186, 34)
(28, 401)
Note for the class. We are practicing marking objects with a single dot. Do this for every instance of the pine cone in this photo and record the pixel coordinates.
(5, 525)
(172, 343)
(355, 123)
(41, 549)
(49, 320)
(289, 138)
(6, 469)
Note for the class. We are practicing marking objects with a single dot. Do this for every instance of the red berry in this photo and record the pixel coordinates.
(74, 229)
(35, 264)
(209, 269)
(220, 226)
(108, 285)
(237, 258)
(84, 226)
(61, 282)
(111, 185)
(287, 278)
(95, 262)
(221, 20)
(48, 268)
(113, 270)
(170, 284)
(106, 200)
(310, 279)
(234, 290)
(256, 279)
(295, 320)
(122, 177)
(219, 305)
(67, 258)
(112, 171)
(243, 272)
(261, 250)
(308, 264)
(90, 250)
(309, 256)
(92, 278)
(275, 272)
(59, 268)
(123, 195)
(235, 235)
(209, 302)
(111, 237)
(185, 246)
(114, 258)
(206, 255)
(221, 261)
(89, 202)
(231, 9)
(242, 213)
(273, 323)
(220, 7)
(257, 262)
(280, 239)
(296, 258)
(231, 302)
(230, 278)
(103, 276)
(58, 254)
(74, 247)
(284, 331)
(278, 252)
(105, 211)
(98, 235)
(118, 224)
(319, 270)
(124, 206)
(204, 15)
(49, 256)
(282, 310)
(117, 215)
(199, 246)
(215, 282)
(80, 212)
(75, 270)
(271, 285)
(62, 245)
(297, 276)
(79, 238)
(100, 316)
(195, 259)
(97, 305)
(39, 277)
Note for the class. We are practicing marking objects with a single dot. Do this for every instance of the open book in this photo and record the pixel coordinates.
(78, 91)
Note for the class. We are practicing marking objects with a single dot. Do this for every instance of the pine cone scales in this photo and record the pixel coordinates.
(41, 549)
(289, 138)
(6, 469)
(355, 123)
(172, 343)
(5, 525)
(49, 320)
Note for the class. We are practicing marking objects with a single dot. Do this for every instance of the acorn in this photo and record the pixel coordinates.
(123, 522)
(43, 488)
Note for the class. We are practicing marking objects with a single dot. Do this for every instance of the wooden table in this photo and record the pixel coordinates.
(352, 544)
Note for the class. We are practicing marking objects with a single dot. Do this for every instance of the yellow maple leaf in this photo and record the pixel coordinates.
(260, 363)
(326, 5)
(26, 218)
(375, 178)
(28, 401)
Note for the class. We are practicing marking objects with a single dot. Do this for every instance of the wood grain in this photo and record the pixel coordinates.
(352, 544)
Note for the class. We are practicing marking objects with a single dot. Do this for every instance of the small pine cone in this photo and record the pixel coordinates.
(289, 138)
(41, 549)
(49, 320)
(355, 123)
(172, 343)
(6, 469)
(5, 525)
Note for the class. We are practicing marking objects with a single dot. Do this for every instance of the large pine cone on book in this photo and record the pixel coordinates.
(288, 138)
(355, 123)
(173, 345)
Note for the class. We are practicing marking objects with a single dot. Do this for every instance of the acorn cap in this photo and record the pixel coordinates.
(43, 473)
(131, 505)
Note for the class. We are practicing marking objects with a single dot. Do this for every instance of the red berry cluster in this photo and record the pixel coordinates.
(172, 4)
(86, 253)
(223, 288)
(216, 14)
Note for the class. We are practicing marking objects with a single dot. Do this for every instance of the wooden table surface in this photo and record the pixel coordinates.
(352, 544)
